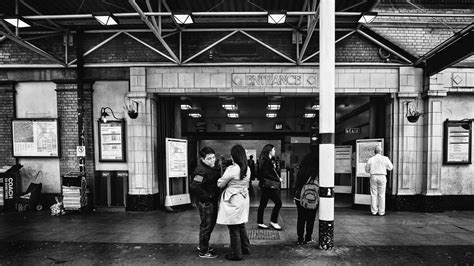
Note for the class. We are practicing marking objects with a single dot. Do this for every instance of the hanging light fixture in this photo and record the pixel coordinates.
(183, 17)
(233, 114)
(276, 17)
(271, 114)
(105, 18)
(309, 115)
(367, 17)
(195, 114)
(17, 21)
(104, 114)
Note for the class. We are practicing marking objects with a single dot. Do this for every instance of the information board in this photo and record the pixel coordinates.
(35, 138)
(176, 157)
(457, 142)
(342, 164)
(365, 150)
(111, 141)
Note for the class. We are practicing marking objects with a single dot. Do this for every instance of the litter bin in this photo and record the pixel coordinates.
(111, 188)
(9, 186)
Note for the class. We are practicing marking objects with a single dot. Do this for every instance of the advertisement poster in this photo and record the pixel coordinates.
(458, 144)
(365, 150)
(343, 155)
(35, 138)
(176, 157)
(111, 141)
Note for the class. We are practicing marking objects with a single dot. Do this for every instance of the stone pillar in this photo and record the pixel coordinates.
(433, 142)
(141, 146)
(408, 141)
(326, 123)
(8, 112)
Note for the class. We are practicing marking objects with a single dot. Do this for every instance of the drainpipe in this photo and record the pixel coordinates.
(80, 96)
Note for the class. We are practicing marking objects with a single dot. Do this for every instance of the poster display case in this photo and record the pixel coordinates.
(457, 142)
(35, 137)
(112, 141)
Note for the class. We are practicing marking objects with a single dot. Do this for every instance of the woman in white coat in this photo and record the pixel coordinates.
(234, 203)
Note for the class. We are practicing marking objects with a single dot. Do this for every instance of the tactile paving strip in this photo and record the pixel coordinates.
(263, 234)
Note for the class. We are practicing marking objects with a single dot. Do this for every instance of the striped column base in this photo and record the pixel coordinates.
(326, 234)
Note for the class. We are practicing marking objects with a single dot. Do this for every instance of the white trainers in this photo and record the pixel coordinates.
(275, 226)
(262, 226)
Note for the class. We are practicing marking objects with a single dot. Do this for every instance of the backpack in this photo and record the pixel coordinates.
(309, 197)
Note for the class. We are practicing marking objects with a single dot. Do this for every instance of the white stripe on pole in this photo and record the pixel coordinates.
(327, 213)
(326, 168)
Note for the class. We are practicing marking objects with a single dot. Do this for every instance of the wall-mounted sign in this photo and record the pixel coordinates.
(342, 164)
(112, 141)
(457, 142)
(353, 130)
(35, 138)
(364, 150)
(274, 79)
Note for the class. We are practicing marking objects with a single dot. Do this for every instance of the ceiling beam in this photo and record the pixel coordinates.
(154, 30)
(268, 47)
(32, 48)
(98, 46)
(210, 46)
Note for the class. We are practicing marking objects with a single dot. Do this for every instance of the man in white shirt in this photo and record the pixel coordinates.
(377, 167)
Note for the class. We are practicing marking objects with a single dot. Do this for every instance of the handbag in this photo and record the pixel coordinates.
(268, 183)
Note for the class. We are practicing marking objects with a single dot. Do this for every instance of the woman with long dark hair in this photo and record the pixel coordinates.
(235, 203)
(309, 171)
(269, 182)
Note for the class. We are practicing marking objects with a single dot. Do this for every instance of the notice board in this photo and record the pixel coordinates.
(35, 137)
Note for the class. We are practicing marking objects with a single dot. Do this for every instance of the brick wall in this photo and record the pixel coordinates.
(67, 115)
(7, 113)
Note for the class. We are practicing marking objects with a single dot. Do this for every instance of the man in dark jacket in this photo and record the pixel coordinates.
(204, 186)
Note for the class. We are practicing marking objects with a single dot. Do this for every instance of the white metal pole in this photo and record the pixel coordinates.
(327, 71)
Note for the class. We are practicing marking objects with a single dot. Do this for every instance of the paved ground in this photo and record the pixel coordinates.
(163, 237)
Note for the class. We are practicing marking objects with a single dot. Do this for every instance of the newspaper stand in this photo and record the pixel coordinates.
(74, 188)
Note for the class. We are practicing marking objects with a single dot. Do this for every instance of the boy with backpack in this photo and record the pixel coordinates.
(307, 196)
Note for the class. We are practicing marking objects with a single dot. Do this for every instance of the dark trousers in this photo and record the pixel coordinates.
(274, 195)
(305, 217)
(208, 214)
(239, 240)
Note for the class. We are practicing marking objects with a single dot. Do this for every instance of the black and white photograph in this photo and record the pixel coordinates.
(225, 132)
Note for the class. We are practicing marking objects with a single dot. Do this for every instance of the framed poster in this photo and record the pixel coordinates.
(343, 156)
(457, 142)
(112, 141)
(35, 137)
(176, 157)
(365, 150)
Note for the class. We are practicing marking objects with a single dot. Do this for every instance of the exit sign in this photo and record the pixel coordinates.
(353, 130)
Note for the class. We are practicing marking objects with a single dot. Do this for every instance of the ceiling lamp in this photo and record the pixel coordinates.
(315, 107)
(229, 105)
(276, 17)
(17, 21)
(106, 18)
(273, 106)
(367, 17)
(309, 115)
(233, 114)
(185, 106)
(271, 115)
(183, 17)
(195, 114)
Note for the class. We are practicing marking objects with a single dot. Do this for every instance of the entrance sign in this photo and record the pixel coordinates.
(274, 79)
(35, 138)
(111, 141)
(457, 142)
(177, 182)
(353, 130)
(364, 150)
